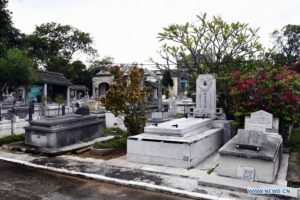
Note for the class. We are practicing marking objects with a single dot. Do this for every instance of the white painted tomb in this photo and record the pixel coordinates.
(182, 142)
(179, 143)
(253, 164)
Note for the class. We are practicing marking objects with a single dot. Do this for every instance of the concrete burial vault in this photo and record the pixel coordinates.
(254, 154)
(179, 143)
(62, 131)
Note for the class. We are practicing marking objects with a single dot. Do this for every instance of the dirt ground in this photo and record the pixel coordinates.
(114, 154)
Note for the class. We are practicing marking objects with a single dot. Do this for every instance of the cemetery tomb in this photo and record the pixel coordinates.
(56, 132)
(180, 142)
(253, 154)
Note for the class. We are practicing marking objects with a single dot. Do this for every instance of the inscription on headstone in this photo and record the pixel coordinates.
(205, 95)
(245, 173)
(261, 121)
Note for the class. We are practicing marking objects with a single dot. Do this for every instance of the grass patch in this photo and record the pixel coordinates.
(210, 170)
(294, 143)
(113, 131)
(294, 185)
(119, 142)
(12, 138)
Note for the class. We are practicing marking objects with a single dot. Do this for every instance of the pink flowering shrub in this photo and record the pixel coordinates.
(273, 89)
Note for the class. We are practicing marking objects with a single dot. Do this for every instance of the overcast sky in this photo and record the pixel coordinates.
(127, 29)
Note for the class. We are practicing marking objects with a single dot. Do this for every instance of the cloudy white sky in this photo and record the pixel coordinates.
(127, 29)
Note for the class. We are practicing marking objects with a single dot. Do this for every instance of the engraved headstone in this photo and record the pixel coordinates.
(245, 173)
(172, 110)
(252, 140)
(205, 96)
(262, 121)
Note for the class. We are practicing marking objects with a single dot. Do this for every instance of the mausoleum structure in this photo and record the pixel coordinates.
(182, 142)
(254, 154)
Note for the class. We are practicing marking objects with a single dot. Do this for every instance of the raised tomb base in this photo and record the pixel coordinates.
(178, 143)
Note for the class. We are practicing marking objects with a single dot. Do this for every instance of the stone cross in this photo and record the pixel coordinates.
(205, 96)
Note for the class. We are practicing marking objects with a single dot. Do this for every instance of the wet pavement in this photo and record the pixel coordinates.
(19, 182)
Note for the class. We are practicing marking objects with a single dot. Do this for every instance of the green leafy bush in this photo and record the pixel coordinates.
(11, 139)
(118, 142)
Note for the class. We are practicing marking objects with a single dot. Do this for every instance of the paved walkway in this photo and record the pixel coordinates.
(23, 183)
(176, 181)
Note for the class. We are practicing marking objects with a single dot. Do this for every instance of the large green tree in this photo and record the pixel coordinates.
(16, 69)
(10, 37)
(287, 41)
(287, 47)
(54, 45)
(205, 45)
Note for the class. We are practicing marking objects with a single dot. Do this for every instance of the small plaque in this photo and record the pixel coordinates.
(245, 173)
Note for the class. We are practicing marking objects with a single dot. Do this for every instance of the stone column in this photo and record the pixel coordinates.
(45, 90)
(75, 94)
(68, 96)
(93, 91)
(159, 96)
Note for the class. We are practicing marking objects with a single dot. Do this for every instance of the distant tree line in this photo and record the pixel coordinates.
(51, 46)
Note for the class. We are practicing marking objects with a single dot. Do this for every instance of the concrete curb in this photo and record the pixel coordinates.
(134, 184)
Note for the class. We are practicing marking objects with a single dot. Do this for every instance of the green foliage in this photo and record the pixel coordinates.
(118, 142)
(12, 138)
(126, 96)
(16, 69)
(59, 99)
(167, 82)
(205, 45)
(113, 131)
(53, 45)
(294, 141)
(211, 170)
(287, 41)
(10, 37)
(192, 86)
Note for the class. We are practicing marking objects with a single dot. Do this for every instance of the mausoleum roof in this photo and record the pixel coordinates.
(79, 87)
(52, 78)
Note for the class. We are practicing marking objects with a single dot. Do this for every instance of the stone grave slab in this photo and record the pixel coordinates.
(178, 127)
(247, 139)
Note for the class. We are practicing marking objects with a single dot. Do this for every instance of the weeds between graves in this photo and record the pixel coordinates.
(12, 138)
(118, 142)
